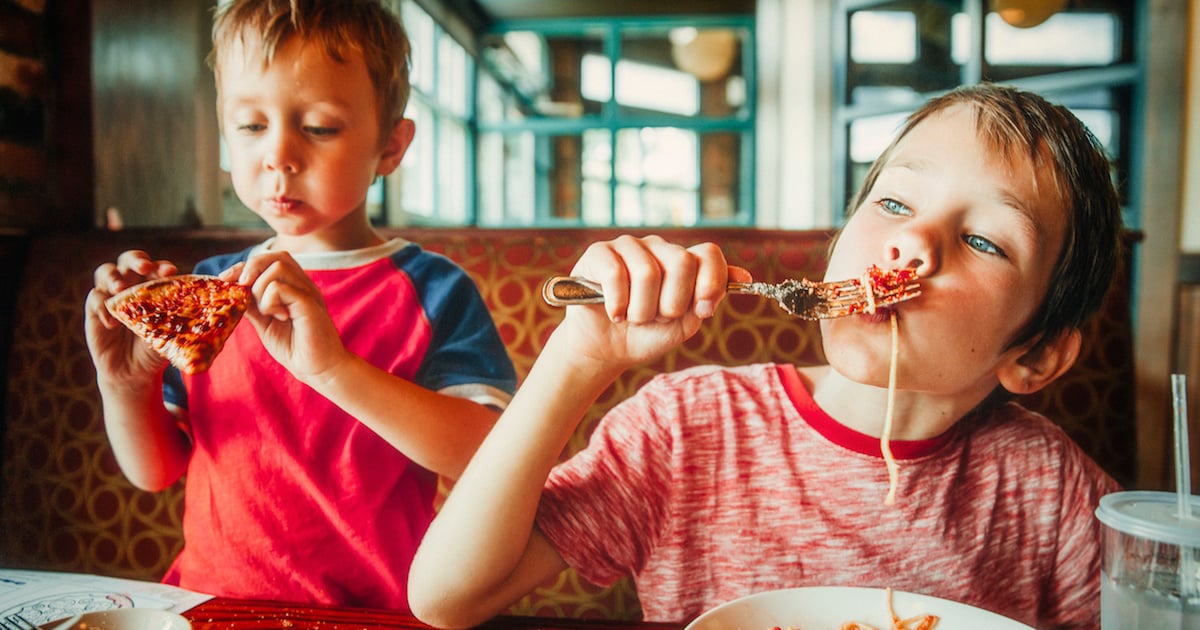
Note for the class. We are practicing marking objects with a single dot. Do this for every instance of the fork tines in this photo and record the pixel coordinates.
(851, 297)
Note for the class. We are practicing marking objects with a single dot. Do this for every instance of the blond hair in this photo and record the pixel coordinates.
(339, 26)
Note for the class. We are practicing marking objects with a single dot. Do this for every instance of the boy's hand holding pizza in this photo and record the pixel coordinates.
(289, 314)
(186, 319)
(120, 355)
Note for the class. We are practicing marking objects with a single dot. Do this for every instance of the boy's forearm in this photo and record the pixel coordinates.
(146, 439)
(480, 545)
(438, 432)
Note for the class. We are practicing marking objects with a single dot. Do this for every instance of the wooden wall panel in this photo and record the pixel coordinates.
(149, 79)
(45, 115)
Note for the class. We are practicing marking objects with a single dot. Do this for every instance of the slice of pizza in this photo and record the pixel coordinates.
(185, 318)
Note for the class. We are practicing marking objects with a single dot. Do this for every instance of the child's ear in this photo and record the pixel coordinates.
(397, 144)
(1040, 363)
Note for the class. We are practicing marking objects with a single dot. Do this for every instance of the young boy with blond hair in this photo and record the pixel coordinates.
(313, 445)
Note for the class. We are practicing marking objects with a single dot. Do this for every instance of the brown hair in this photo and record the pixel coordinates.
(339, 26)
(1011, 120)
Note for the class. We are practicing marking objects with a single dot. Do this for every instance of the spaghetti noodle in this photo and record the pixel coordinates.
(885, 445)
(919, 622)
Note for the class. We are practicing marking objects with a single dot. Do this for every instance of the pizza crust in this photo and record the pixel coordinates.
(185, 318)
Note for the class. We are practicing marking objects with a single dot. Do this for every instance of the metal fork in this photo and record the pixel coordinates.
(802, 298)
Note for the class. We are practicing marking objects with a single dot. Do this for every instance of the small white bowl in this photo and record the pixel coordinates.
(126, 619)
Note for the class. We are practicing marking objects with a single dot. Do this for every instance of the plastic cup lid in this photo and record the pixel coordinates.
(1151, 515)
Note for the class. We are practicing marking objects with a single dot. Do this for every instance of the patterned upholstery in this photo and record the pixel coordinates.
(64, 504)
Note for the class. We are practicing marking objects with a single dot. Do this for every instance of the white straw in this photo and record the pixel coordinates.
(1183, 485)
(1183, 469)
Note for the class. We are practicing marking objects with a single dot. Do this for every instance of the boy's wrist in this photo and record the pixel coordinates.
(130, 387)
(572, 362)
(338, 371)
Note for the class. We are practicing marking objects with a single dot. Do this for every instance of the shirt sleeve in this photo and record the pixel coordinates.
(466, 356)
(604, 508)
(1073, 590)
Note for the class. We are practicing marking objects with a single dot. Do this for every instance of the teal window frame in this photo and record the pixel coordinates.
(612, 120)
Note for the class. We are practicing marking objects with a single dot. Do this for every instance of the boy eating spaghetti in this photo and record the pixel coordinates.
(713, 483)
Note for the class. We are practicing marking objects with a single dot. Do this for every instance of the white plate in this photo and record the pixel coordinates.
(126, 619)
(828, 607)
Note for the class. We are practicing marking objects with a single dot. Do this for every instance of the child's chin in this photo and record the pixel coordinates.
(864, 369)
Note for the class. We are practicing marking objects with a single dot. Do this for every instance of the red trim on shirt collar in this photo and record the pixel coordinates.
(843, 435)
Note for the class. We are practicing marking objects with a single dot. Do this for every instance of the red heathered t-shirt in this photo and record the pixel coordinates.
(714, 483)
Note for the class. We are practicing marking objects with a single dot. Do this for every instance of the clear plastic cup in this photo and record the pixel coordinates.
(1150, 561)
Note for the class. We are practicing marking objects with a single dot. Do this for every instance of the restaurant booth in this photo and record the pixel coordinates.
(65, 506)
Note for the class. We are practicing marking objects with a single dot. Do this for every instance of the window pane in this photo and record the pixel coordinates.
(453, 74)
(452, 172)
(867, 139)
(420, 29)
(682, 71)
(544, 73)
(1104, 124)
(901, 44)
(507, 175)
(1064, 49)
(618, 113)
(539, 178)
(642, 87)
(1068, 40)
(596, 172)
(869, 136)
(654, 206)
(659, 172)
(416, 172)
(883, 37)
(490, 99)
(597, 203)
(597, 154)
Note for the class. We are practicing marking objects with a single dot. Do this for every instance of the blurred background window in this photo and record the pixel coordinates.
(435, 182)
(892, 55)
(617, 121)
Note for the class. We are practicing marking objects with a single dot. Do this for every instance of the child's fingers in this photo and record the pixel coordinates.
(711, 275)
(677, 288)
(232, 274)
(274, 301)
(648, 279)
(277, 283)
(643, 261)
(136, 261)
(248, 272)
(94, 305)
(602, 264)
(739, 274)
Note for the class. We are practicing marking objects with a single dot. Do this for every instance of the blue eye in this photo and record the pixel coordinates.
(979, 243)
(891, 206)
(251, 128)
(321, 131)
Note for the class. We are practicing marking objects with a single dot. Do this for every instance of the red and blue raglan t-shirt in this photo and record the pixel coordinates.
(288, 497)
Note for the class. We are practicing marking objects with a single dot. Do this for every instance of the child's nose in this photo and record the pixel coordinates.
(281, 155)
(913, 251)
